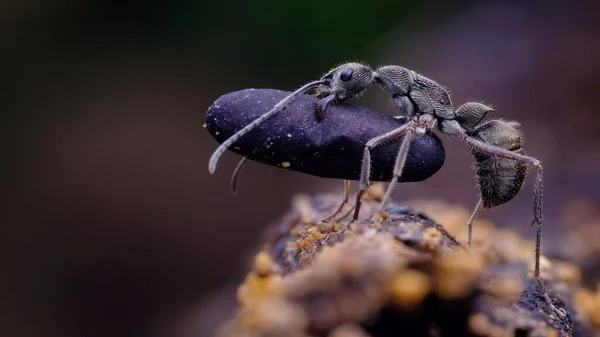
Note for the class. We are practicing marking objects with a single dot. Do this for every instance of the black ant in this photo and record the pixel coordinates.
(422, 104)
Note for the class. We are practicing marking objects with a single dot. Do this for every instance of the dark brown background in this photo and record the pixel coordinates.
(113, 226)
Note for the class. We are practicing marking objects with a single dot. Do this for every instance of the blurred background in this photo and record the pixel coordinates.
(113, 226)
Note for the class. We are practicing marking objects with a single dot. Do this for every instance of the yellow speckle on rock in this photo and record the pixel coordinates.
(256, 289)
(305, 243)
(479, 324)
(456, 274)
(432, 238)
(375, 192)
(567, 272)
(348, 330)
(409, 287)
(285, 164)
(553, 333)
(504, 287)
(263, 264)
(589, 302)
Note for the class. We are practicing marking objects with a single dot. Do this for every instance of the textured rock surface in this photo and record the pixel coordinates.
(405, 275)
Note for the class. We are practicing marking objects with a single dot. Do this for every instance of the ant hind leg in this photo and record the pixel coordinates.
(470, 223)
(538, 217)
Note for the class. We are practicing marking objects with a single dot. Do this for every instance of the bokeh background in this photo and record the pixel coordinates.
(112, 225)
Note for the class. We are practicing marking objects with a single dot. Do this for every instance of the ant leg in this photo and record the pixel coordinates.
(538, 189)
(500, 152)
(365, 170)
(344, 201)
(473, 215)
(538, 217)
(236, 175)
(212, 164)
(398, 167)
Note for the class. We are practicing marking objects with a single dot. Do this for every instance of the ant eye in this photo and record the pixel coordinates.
(346, 74)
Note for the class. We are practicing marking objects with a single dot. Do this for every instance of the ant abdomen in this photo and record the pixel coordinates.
(499, 179)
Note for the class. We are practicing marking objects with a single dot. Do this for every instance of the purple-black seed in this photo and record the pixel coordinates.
(331, 148)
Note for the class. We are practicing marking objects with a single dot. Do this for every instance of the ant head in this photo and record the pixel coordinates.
(342, 83)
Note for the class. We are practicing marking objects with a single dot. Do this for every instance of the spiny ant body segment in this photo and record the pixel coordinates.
(499, 179)
(422, 104)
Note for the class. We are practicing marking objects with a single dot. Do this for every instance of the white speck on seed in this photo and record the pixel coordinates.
(289, 135)
(217, 133)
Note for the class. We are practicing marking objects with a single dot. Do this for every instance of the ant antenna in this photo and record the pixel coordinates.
(236, 175)
(212, 164)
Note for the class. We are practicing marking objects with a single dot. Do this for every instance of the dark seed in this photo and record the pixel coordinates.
(331, 148)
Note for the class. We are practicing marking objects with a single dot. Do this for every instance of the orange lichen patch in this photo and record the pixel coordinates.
(264, 265)
(479, 324)
(454, 218)
(329, 278)
(455, 274)
(325, 227)
(257, 288)
(375, 192)
(347, 281)
(508, 246)
(432, 238)
(273, 315)
(583, 242)
(567, 272)
(305, 258)
(305, 243)
(589, 303)
(409, 287)
(303, 207)
(338, 227)
(314, 233)
(507, 288)
(348, 330)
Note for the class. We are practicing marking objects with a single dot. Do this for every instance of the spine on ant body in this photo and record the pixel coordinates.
(499, 179)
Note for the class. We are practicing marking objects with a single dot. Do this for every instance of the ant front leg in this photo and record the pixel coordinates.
(398, 167)
(365, 171)
(538, 188)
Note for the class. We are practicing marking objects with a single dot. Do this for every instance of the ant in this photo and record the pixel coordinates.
(422, 104)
